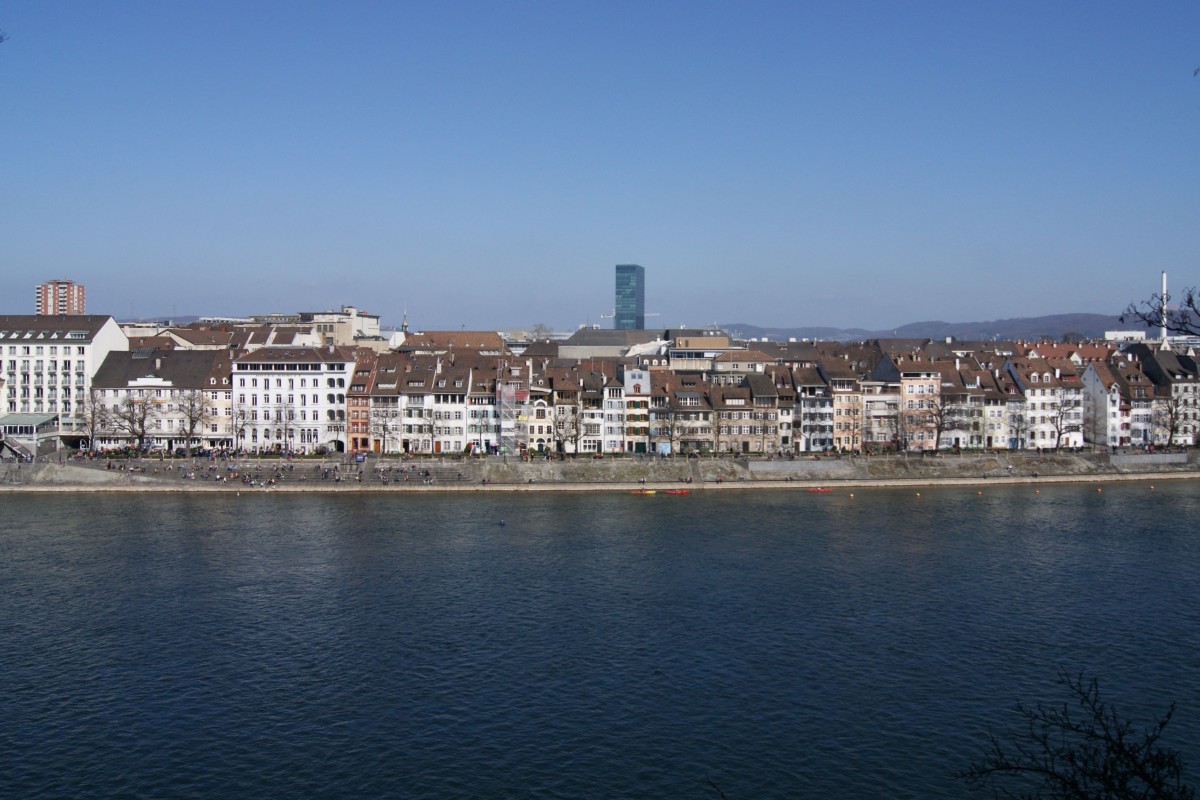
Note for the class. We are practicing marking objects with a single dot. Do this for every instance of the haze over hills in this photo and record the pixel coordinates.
(1054, 326)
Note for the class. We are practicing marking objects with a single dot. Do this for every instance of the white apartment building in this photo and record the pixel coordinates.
(1053, 403)
(187, 390)
(48, 364)
(291, 400)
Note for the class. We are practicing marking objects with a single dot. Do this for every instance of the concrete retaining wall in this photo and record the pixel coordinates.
(1148, 460)
(609, 472)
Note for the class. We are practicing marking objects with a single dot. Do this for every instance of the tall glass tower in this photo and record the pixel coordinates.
(630, 308)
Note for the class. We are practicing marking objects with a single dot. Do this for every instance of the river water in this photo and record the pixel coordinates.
(763, 644)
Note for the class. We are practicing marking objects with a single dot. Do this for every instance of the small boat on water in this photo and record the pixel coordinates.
(642, 491)
(675, 491)
(820, 490)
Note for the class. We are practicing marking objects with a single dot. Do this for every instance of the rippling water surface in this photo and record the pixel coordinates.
(777, 644)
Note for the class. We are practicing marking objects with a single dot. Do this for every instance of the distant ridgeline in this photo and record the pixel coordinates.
(1056, 326)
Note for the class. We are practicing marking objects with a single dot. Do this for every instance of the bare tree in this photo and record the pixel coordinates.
(1064, 417)
(239, 424)
(1018, 425)
(96, 417)
(945, 414)
(133, 416)
(879, 430)
(667, 424)
(419, 421)
(384, 425)
(287, 418)
(568, 427)
(766, 426)
(693, 426)
(1095, 420)
(194, 415)
(1080, 750)
(1168, 416)
(720, 426)
(1182, 318)
(902, 426)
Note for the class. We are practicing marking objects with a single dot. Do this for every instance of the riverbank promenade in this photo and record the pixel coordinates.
(497, 473)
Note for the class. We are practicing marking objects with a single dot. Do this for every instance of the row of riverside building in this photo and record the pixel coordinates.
(334, 382)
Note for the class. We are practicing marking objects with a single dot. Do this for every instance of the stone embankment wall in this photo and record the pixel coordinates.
(600, 472)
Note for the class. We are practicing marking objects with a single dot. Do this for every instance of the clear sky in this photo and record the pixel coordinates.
(486, 164)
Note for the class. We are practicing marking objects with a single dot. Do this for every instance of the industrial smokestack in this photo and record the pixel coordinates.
(1164, 306)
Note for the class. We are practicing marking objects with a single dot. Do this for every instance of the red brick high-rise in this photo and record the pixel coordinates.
(59, 297)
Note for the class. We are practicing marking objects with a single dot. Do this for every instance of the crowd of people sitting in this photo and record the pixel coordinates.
(260, 474)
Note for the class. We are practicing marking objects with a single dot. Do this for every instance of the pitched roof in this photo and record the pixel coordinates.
(273, 355)
(442, 341)
(50, 328)
(610, 337)
(182, 369)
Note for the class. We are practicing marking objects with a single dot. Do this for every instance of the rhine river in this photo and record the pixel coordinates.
(770, 644)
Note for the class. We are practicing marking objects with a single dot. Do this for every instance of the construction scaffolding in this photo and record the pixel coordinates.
(513, 414)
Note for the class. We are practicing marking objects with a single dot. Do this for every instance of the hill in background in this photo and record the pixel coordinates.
(1055, 326)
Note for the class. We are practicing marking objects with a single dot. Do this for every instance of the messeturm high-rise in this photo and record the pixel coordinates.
(629, 313)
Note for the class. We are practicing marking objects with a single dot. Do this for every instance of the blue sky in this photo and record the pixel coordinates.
(486, 164)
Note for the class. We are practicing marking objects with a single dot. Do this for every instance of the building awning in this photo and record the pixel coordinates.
(32, 421)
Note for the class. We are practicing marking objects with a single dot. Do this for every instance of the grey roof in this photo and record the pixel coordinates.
(808, 376)
(761, 385)
(27, 419)
(326, 354)
(608, 337)
(541, 348)
(49, 328)
(183, 369)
